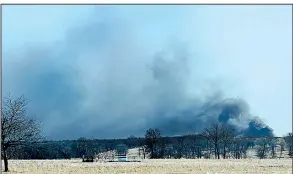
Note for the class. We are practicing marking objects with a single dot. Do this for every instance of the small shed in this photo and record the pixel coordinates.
(121, 152)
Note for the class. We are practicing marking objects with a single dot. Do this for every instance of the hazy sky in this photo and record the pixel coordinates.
(244, 51)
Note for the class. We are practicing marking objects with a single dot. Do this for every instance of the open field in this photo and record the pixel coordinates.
(162, 166)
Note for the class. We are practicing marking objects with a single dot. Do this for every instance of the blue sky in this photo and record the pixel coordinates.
(244, 51)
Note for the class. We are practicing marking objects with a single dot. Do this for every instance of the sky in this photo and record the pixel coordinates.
(105, 71)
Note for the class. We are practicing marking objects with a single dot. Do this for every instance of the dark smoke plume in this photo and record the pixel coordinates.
(188, 115)
(100, 82)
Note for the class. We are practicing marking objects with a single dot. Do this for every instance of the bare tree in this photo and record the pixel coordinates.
(152, 137)
(239, 147)
(194, 148)
(17, 128)
(179, 147)
(212, 134)
(208, 149)
(282, 144)
(262, 148)
(199, 143)
(289, 143)
(226, 139)
(218, 134)
(188, 147)
(273, 145)
(162, 147)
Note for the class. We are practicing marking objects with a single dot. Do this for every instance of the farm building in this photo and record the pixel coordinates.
(121, 152)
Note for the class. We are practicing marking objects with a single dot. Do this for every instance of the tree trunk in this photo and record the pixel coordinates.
(5, 160)
(215, 151)
(224, 153)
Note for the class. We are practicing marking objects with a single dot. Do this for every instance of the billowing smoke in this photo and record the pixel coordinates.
(100, 82)
(176, 113)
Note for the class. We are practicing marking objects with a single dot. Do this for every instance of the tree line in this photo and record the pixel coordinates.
(21, 139)
(216, 141)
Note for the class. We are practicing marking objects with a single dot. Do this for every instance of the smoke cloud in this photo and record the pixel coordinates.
(102, 82)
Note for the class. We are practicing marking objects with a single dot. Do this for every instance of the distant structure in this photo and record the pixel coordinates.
(88, 157)
(141, 152)
(121, 152)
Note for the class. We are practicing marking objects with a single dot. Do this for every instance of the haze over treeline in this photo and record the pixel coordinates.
(112, 76)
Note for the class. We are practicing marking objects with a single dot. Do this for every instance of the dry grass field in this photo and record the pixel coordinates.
(180, 166)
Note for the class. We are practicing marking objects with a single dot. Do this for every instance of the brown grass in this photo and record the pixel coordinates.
(168, 166)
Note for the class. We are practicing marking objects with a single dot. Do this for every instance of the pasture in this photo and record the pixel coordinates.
(153, 166)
